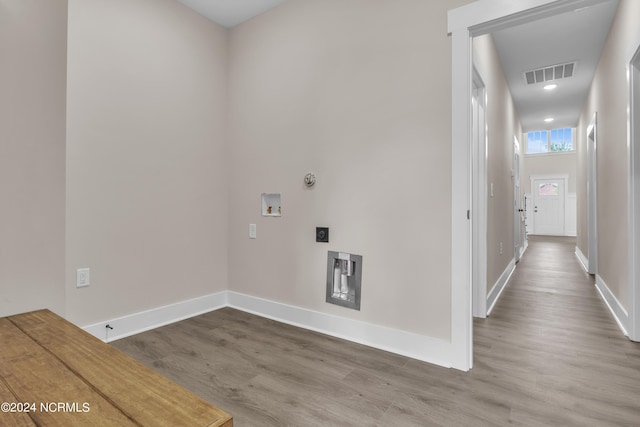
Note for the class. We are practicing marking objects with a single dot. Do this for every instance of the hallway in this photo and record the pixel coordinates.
(549, 355)
(551, 340)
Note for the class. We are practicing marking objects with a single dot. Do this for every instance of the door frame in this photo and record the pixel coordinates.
(633, 146)
(518, 232)
(592, 195)
(464, 23)
(479, 218)
(565, 182)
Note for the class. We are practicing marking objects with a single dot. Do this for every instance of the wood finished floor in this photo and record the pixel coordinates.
(549, 355)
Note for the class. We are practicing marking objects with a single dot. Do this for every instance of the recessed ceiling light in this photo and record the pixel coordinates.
(549, 119)
(550, 87)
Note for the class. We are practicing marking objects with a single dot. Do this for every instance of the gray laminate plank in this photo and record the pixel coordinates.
(550, 354)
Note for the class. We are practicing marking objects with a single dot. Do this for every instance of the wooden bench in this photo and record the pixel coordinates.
(53, 373)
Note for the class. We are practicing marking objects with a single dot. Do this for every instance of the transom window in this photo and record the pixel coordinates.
(550, 141)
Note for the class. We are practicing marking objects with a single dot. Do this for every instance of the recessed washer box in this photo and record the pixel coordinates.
(271, 204)
(344, 279)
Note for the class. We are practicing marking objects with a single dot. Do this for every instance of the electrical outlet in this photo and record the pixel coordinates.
(500, 248)
(83, 277)
(252, 231)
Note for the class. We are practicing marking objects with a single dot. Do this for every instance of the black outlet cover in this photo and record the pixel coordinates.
(322, 234)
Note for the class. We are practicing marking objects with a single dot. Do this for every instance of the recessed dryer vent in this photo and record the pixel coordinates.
(344, 277)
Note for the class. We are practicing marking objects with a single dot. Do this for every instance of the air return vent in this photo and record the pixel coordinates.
(553, 72)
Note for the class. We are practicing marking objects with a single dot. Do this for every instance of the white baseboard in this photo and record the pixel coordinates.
(584, 262)
(405, 343)
(408, 344)
(524, 248)
(150, 319)
(617, 310)
(500, 286)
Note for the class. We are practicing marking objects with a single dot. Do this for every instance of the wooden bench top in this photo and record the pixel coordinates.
(53, 373)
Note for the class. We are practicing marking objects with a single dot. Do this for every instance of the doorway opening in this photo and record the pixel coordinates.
(465, 23)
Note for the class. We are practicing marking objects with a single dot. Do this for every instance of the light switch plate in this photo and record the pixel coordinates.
(252, 231)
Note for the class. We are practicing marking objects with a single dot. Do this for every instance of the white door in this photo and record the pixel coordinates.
(548, 206)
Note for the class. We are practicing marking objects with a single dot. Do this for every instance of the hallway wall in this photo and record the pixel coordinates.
(608, 97)
(502, 125)
(33, 46)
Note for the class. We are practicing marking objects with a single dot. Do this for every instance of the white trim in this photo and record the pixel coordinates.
(584, 262)
(461, 301)
(479, 202)
(463, 23)
(617, 310)
(518, 223)
(486, 16)
(553, 153)
(150, 319)
(405, 343)
(633, 196)
(416, 346)
(592, 195)
(524, 247)
(500, 286)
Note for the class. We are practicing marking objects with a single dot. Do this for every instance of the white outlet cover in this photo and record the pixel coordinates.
(83, 277)
(252, 231)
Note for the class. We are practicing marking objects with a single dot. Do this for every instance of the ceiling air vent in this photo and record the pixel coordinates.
(553, 72)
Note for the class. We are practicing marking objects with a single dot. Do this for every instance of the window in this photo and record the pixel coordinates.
(549, 189)
(553, 141)
(537, 142)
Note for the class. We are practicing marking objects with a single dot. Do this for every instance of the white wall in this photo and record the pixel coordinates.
(549, 164)
(146, 161)
(358, 92)
(33, 42)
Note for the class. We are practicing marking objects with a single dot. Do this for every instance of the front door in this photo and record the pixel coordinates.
(548, 207)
